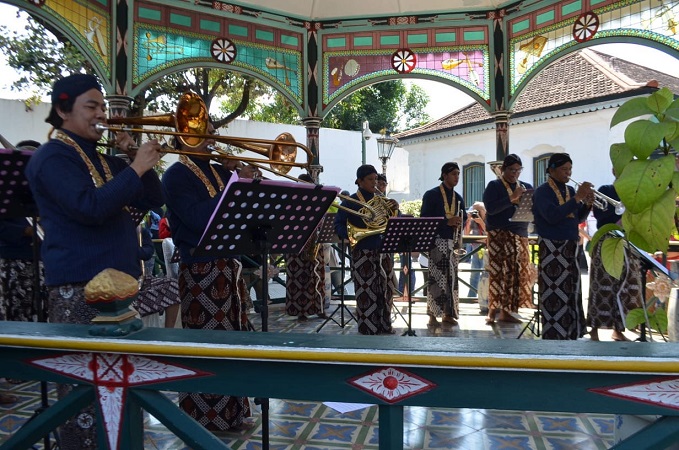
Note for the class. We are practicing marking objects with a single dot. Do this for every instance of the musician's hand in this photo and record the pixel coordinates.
(393, 204)
(584, 190)
(148, 156)
(126, 144)
(455, 221)
(518, 192)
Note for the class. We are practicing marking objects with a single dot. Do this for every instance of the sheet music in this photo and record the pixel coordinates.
(524, 211)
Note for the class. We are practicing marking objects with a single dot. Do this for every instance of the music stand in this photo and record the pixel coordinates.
(407, 235)
(524, 210)
(328, 235)
(263, 216)
(16, 200)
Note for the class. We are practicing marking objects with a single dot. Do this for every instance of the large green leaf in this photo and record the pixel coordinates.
(635, 318)
(630, 109)
(643, 182)
(620, 155)
(650, 230)
(644, 136)
(600, 233)
(660, 100)
(613, 256)
(673, 110)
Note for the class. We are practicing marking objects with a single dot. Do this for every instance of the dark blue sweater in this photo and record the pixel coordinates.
(433, 206)
(13, 243)
(499, 209)
(189, 206)
(551, 219)
(87, 228)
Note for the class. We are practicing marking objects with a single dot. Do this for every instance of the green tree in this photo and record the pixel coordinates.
(389, 106)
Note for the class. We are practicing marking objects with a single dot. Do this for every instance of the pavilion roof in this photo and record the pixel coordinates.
(580, 80)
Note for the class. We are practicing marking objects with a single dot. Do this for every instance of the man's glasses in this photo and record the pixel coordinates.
(515, 170)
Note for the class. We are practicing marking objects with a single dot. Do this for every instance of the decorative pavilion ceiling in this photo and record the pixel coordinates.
(320, 10)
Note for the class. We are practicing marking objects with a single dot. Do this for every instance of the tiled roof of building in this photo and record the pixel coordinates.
(583, 77)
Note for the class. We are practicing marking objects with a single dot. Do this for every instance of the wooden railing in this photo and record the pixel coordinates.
(392, 372)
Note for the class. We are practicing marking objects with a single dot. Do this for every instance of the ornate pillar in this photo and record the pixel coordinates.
(313, 125)
(118, 106)
(501, 134)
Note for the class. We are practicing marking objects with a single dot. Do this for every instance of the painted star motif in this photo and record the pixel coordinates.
(662, 392)
(392, 385)
(113, 374)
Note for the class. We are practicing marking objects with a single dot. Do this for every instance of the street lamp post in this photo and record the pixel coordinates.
(366, 134)
(385, 147)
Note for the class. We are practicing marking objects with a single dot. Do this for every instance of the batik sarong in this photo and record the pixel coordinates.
(611, 299)
(305, 284)
(559, 290)
(442, 286)
(509, 274)
(156, 294)
(16, 291)
(213, 296)
(371, 273)
(67, 305)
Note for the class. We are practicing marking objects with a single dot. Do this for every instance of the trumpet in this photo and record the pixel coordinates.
(457, 235)
(601, 201)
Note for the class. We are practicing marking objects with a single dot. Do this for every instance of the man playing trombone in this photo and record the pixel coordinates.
(442, 286)
(83, 198)
(211, 288)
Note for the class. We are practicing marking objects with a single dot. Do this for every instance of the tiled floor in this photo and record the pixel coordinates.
(315, 426)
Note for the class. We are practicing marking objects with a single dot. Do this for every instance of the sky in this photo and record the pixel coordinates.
(443, 99)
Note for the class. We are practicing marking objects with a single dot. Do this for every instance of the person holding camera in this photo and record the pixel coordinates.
(475, 226)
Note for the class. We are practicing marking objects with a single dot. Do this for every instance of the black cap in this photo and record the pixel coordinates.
(558, 160)
(510, 160)
(364, 171)
(447, 168)
(381, 177)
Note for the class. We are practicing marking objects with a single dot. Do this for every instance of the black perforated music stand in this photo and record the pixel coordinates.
(263, 216)
(328, 235)
(407, 235)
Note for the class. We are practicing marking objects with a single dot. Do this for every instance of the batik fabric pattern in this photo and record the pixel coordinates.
(559, 287)
(442, 286)
(371, 274)
(610, 299)
(213, 298)
(305, 285)
(509, 271)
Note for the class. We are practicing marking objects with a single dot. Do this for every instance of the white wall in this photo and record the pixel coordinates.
(18, 122)
(586, 137)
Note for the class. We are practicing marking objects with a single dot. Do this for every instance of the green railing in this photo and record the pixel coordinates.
(392, 372)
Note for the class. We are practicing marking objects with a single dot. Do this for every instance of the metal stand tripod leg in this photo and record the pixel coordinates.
(534, 322)
(341, 307)
(409, 288)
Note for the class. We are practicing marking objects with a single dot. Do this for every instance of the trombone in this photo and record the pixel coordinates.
(191, 122)
(602, 201)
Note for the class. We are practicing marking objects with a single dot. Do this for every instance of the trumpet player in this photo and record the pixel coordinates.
(558, 209)
(372, 271)
(604, 310)
(82, 196)
(442, 284)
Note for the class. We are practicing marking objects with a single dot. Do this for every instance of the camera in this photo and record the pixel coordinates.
(474, 214)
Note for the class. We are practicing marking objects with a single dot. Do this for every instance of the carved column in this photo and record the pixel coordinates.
(501, 134)
(313, 125)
